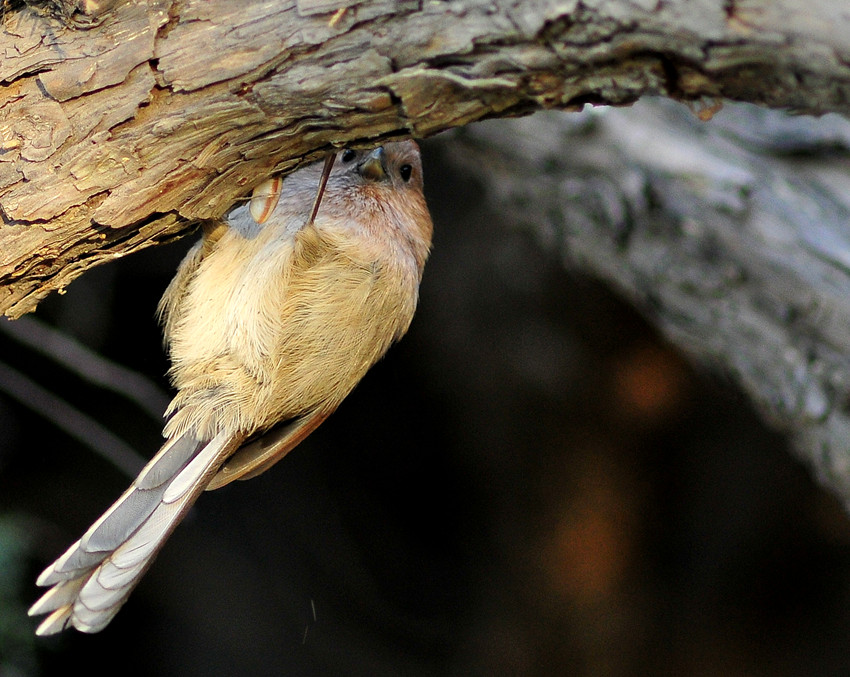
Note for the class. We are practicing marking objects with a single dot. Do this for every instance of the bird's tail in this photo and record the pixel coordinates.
(93, 579)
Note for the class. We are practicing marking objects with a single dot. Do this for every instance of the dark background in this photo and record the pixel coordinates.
(531, 483)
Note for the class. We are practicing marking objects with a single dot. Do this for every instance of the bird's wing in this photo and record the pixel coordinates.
(262, 453)
(92, 580)
(169, 304)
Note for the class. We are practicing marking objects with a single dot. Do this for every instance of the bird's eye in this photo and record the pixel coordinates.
(348, 155)
(405, 171)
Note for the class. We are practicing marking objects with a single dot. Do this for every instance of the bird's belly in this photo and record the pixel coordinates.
(285, 339)
(332, 334)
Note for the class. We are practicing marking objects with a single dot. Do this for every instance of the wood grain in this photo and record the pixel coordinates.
(123, 123)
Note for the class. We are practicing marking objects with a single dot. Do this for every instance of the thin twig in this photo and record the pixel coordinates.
(70, 420)
(87, 364)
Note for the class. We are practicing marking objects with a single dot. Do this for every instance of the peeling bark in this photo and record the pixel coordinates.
(122, 123)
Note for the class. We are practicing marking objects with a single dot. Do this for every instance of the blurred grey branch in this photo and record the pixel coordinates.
(74, 422)
(733, 236)
(87, 364)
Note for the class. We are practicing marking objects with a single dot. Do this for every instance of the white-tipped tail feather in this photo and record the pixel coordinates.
(93, 578)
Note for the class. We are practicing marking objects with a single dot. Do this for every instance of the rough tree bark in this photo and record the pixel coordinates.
(122, 123)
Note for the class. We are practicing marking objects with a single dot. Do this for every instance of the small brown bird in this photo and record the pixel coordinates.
(272, 319)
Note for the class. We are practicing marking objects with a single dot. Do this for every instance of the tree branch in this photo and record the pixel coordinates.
(163, 113)
(730, 235)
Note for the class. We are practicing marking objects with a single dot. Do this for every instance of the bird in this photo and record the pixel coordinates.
(271, 320)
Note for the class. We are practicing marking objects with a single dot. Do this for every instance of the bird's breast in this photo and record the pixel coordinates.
(280, 327)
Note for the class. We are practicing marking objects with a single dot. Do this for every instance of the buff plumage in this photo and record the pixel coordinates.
(270, 322)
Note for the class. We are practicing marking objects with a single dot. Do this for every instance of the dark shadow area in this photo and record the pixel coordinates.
(531, 483)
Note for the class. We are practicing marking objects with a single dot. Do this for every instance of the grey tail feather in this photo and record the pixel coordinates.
(93, 578)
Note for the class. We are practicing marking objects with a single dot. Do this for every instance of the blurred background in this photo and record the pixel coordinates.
(531, 483)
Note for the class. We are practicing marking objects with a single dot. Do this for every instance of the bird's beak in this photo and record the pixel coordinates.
(373, 167)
